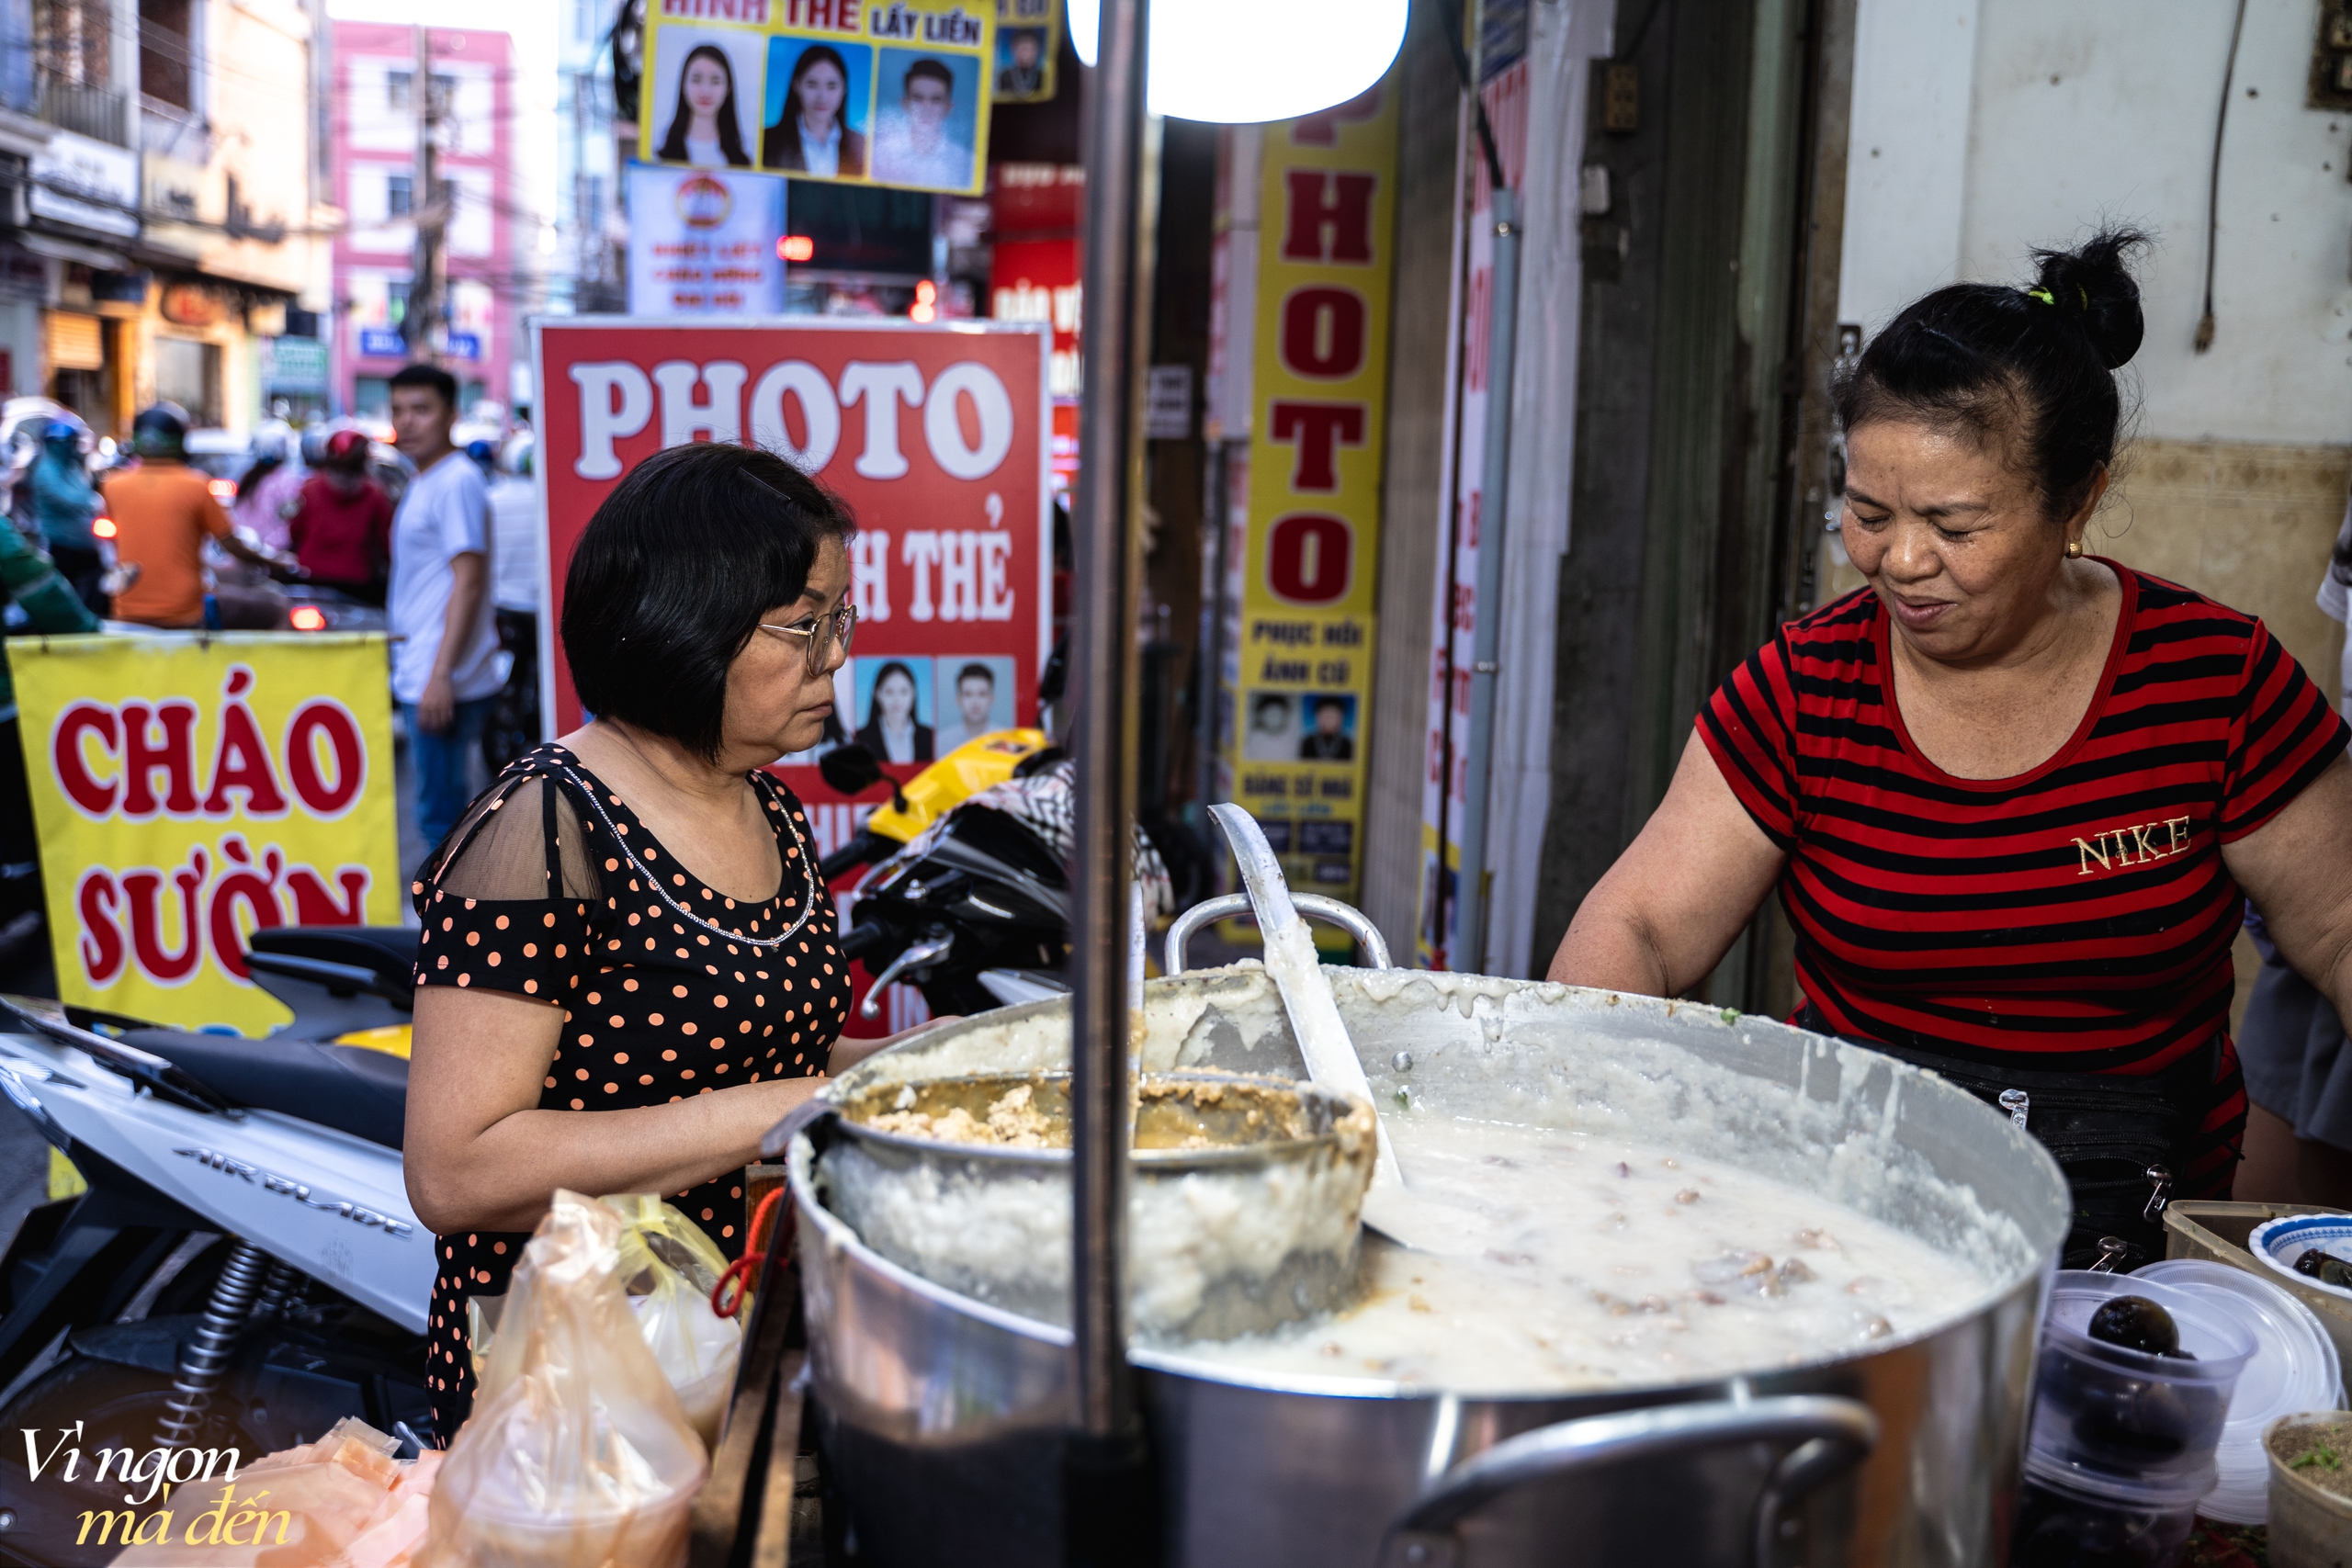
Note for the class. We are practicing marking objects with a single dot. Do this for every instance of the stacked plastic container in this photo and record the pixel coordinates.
(2123, 1441)
(2295, 1369)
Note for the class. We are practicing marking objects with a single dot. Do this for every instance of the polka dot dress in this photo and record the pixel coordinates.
(668, 989)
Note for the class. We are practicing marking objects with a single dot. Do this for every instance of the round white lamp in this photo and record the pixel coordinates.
(1239, 61)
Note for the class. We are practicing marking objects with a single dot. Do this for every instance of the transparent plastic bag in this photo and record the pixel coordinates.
(577, 1454)
(669, 1266)
(315, 1505)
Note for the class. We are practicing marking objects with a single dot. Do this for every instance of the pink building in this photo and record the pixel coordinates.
(378, 103)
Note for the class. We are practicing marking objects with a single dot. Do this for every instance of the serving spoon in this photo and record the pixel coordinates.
(1389, 1207)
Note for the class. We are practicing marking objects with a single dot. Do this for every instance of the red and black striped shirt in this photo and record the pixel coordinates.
(2080, 913)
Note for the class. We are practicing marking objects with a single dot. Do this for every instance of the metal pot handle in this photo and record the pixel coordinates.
(1347, 917)
(1828, 1435)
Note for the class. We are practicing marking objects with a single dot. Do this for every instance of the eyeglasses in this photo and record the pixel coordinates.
(824, 634)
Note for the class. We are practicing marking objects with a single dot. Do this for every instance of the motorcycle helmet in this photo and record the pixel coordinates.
(161, 432)
(63, 432)
(346, 449)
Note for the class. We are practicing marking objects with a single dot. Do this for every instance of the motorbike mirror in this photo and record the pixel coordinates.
(850, 770)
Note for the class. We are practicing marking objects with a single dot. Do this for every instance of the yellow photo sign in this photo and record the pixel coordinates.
(1028, 47)
(1319, 428)
(190, 789)
(864, 92)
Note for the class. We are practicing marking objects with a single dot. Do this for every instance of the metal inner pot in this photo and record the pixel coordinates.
(1243, 1200)
(943, 1415)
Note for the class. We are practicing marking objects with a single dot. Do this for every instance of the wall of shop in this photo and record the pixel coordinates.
(232, 231)
(1984, 127)
(373, 177)
(1535, 96)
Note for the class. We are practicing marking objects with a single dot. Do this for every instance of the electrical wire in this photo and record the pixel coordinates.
(2213, 187)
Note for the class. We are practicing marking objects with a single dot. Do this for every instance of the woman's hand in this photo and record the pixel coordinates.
(481, 1154)
(2297, 868)
(1663, 917)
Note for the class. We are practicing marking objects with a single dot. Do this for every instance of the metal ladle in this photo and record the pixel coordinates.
(1331, 1060)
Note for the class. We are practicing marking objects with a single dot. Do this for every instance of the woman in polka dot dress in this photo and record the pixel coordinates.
(627, 972)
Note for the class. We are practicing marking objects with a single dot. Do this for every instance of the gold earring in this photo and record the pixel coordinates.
(2074, 549)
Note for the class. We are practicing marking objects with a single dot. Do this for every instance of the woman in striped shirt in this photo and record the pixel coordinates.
(2011, 794)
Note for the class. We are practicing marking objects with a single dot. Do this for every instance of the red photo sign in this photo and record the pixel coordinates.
(936, 435)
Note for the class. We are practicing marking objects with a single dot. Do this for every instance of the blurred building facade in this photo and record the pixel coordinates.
(164, 226)
(382, 108)
(588, 271)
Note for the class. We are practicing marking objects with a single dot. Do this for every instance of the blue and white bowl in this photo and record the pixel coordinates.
(2279, 1243)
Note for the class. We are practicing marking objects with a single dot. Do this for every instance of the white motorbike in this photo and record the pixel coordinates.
(244, 1268)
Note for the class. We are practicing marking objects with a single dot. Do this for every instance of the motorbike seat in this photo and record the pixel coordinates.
(380, 960)
(348, 1087)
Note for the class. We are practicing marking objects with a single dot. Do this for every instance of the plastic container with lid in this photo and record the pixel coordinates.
(2294, 1368)
(2077, 1520)
(2103, 1411)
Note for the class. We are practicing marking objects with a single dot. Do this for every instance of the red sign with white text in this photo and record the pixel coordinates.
(936, 435)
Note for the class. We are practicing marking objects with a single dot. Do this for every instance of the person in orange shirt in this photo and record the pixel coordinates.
(163, 512)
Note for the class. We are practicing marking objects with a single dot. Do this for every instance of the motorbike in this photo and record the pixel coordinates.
(243, 1268)
(966, 899)
(969, 895)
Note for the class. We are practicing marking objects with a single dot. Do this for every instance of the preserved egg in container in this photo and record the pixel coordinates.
(2148, 1418)
(2095, 1521)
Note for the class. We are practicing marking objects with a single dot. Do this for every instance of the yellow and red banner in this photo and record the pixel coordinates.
(1309, 551)
(189, 790)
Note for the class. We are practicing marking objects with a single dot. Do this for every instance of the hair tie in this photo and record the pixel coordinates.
(2043, 295)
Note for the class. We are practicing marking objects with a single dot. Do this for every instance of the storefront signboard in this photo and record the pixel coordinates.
(703, 242)
(935, 436)
(293, 363)
(1028, 43)
(1308, 548)
(189, 790)
(86, 183)
(1036, 275)
(866, 92)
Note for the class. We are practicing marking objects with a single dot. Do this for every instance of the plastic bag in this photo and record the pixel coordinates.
(578, 1454)
(316, 1506)
(669, 1268)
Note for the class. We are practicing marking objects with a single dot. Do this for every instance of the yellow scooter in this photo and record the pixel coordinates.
(977, 764)
(972, 905)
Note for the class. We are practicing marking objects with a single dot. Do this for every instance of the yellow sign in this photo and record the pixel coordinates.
(1319, 425)
(866, 92)
(190, 789)
(1028, 44)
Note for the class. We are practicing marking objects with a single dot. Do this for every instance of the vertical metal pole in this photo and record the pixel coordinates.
(1211, 643)
(1469, 950)
(1107, 1495)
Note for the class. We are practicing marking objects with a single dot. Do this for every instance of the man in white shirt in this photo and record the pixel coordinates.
(912, 147)
(444, 649)
(975, 700)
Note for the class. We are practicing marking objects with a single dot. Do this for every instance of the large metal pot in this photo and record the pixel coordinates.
(943, 1417)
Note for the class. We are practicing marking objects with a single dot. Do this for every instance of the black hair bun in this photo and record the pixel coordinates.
(2093, 282)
